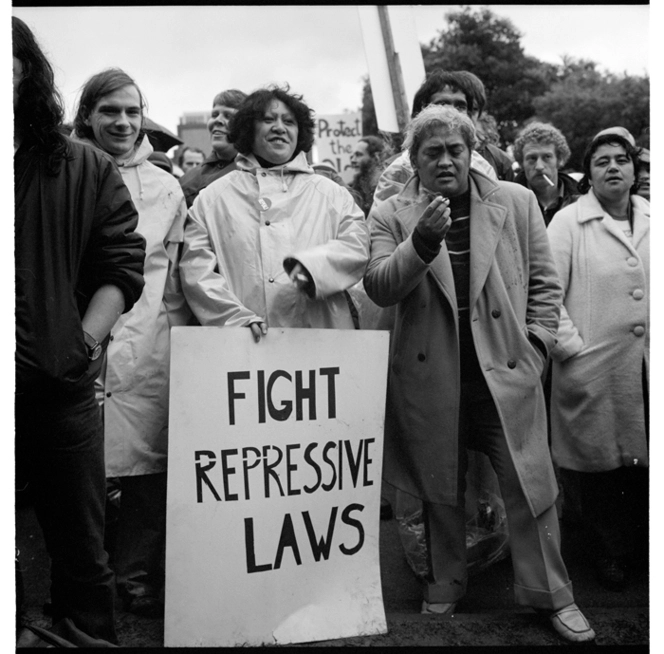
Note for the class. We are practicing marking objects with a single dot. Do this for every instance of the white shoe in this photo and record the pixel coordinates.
(572, 625)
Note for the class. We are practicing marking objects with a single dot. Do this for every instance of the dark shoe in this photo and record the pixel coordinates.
(610, 573)
(145, 606)
(385, 509)
(447, 608)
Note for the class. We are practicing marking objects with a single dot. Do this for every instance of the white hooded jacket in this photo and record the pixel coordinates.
(135, 376)
(248, 228)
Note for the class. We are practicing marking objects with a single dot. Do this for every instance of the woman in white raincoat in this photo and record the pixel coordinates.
(134, 378)
(273, 244)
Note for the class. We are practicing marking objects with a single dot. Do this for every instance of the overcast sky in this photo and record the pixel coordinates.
(182, 56)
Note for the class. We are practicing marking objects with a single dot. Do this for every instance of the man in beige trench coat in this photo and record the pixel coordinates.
(467, 263)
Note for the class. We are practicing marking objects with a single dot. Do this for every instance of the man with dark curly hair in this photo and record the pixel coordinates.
(542, 150)
(272, 243)
(79, 265)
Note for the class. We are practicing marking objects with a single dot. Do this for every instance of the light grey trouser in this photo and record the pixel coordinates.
(540, 575)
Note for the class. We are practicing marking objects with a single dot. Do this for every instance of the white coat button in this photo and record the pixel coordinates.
(638, 294)
(639, 330)
(631, 261)
(271, 279)
(511, 364)
(267, 222)
(109, 394)
(263, 174)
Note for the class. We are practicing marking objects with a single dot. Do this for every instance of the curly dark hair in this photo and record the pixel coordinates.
(243, 124)
(595, 144)
(458, 80)
(98, 86)
(39, 109)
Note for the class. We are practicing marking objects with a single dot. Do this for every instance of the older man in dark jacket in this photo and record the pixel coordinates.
(222, 160)
(542, 150)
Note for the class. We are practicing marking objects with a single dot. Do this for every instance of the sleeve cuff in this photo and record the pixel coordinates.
(426, 250)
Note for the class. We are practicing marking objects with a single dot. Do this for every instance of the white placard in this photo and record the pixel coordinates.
(406, 46)
(336, 137)
(275, 453)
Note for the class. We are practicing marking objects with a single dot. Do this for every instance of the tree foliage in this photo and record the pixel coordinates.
(490, 47)
(583, 101)
(574, 95)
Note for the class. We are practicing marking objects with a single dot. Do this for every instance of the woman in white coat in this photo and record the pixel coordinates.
(599, 404)
(271, 243)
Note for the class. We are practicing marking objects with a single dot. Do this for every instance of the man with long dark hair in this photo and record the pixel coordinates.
(79, 266)
(133, 385)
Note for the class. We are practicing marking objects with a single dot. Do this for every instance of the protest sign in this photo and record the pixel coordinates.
(407, 48)
(336, 136)
(274, 475)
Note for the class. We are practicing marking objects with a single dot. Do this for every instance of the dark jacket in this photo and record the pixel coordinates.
(74, 232)
(499, 160)
(570, 193)
(195, 180)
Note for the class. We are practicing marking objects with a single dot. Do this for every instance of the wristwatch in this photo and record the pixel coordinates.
(94, 347)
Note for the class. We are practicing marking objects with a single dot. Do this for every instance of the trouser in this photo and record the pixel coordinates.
(614, 506)
(540, 575)
(60, 452)
(141, 538)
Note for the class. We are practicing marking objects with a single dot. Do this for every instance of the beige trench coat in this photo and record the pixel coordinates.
(514, 293)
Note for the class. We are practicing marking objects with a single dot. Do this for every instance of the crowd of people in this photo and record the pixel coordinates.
(517, 299)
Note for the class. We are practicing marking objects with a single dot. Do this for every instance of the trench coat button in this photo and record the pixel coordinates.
(637, 294)
(421, 357)
(112, 337)
(496, 313)
(639, 330)
(263, 174)
(270, 279)
(631, 261)
(267, 223)
(511, 364)
(109, 394)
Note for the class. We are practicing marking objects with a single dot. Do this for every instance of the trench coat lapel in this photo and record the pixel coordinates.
(441, 270)
(486, 223)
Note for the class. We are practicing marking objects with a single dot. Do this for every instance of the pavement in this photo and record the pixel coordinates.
(485, 618)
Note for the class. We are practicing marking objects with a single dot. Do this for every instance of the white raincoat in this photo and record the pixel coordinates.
(136, 370)
(247, 228)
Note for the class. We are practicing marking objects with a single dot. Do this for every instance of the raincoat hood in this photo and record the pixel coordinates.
(142, 150)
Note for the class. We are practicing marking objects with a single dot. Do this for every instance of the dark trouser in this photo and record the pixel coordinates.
(614, 506)
(540, 575)
(60, 453)
(141, 539)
